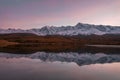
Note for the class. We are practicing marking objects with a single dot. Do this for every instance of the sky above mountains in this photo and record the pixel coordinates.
(27, 14)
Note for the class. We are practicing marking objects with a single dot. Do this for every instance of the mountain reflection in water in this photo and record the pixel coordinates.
(79, 58)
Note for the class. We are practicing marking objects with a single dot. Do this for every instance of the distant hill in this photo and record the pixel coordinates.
(107, 39)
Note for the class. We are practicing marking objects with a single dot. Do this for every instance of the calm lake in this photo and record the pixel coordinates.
(60, 66)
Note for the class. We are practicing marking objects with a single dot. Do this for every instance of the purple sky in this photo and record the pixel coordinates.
(27, 14)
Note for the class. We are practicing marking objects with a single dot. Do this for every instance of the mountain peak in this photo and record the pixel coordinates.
(79, 24)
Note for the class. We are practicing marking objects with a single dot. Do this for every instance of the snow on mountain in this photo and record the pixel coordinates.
(79, 58)
(79, 29)
(7, 31)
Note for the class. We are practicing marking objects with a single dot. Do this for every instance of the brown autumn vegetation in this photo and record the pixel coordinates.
(4, 43)
(31, 43)
(56, 39)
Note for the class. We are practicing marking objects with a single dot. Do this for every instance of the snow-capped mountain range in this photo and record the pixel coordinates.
(79, 29)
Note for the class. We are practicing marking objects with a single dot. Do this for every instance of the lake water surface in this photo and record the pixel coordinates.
(59, 66)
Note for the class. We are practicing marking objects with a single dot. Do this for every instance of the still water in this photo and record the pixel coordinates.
(59, 66)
